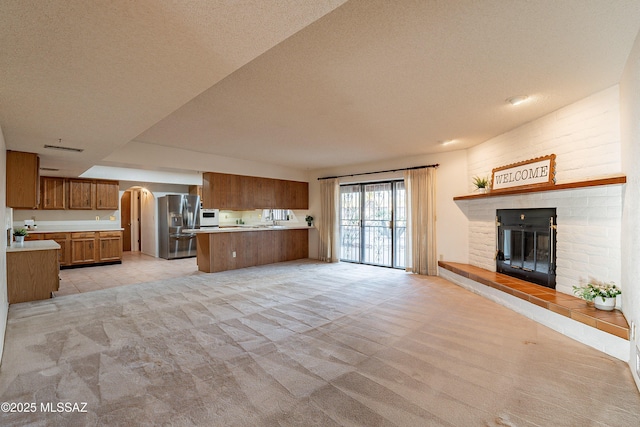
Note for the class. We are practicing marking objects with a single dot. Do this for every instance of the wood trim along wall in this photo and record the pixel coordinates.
(618, 179)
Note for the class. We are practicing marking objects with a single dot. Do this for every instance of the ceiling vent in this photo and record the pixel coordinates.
(50, 169)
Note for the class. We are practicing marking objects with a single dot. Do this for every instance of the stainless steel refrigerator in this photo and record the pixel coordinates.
(176, 214)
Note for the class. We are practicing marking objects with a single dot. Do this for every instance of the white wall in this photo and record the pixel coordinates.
(156, 156)
(630, 130)
(585, 137)
(451, 227)
(4, 304)
(149, 223)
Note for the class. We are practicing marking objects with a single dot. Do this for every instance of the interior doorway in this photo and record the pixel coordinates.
(138, 218)
(125, 220)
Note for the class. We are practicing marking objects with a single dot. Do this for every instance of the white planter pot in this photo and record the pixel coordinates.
(608, 304)
(19, 239)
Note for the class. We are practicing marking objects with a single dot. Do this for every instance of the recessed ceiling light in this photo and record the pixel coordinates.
(517, 100)
(447, 142)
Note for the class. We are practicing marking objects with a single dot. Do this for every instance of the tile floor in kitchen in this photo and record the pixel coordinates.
(135, 268)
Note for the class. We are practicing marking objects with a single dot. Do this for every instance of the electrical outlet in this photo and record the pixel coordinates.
(234, 254)
(112, 218)
(97, 218)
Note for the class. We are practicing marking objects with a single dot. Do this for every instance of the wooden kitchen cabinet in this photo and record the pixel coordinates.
(53, 193)
(109, 245)
(64, 256)
(32, 274)
(238, 192)
(23, 183)
(107, 195)
(78, 193)
(263, 192)
(60, 238)
(83, 248)
(216, 250)
(296, 194)
(87, 247)
(81, 194)
(33, 236)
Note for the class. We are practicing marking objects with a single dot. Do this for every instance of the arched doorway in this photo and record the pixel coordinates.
(137, 218)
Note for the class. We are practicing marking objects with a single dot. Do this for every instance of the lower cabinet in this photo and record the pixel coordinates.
(32, 275)
(63, 240)
(85, 248)
(110, 246)
(233, 250)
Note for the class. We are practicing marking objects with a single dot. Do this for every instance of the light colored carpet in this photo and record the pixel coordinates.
(303, 343)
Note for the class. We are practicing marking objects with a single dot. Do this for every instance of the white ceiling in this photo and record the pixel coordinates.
(304, 84)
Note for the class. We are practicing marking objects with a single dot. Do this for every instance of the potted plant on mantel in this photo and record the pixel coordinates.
(20, 234)
(603, 295)
(481, 184)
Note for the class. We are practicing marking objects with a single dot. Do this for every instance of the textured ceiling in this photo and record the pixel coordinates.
(303, 84)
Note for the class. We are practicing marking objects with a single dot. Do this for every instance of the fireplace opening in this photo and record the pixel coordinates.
(526, 241)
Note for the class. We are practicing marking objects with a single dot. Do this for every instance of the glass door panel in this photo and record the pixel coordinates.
(373, 223)
(542, 252)
(377, 217)
(350, 224)
(517, 260)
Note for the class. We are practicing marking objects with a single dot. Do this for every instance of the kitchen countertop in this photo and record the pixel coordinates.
(33, 245)
(73, 230)
(241, 228)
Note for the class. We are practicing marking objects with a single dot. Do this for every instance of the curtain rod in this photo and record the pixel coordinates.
(371, 173)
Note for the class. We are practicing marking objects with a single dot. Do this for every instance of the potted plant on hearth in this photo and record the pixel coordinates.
(602, 294)
(481, 183)
(20, 234)
(309, 220)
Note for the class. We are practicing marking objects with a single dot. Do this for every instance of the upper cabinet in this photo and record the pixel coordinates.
(107, 195)
(22, 180)
(296, 194)
(93, 194)
(238, 192)
(53, 193)
(71, 193)
(81, 194)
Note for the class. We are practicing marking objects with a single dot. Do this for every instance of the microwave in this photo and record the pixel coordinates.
(209, 217)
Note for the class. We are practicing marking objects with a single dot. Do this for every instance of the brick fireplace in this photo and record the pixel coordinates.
(525, 244)
(588, 230)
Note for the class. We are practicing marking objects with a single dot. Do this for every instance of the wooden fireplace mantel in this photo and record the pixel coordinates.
(610, 180)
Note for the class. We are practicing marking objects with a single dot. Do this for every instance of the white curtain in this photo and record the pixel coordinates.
(421, 252)
(328, 224)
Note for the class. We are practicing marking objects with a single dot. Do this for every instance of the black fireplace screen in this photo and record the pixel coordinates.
(526, 241)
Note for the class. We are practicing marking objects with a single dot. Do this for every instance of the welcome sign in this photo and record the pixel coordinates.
(529, 173)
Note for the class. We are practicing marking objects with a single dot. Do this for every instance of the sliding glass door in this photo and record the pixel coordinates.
(369, 232)
(350, 223)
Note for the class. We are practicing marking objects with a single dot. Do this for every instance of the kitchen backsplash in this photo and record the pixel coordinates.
(256, 217)
(68, 220)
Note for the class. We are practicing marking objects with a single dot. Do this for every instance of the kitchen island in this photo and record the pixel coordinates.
(230, 248)
(32, 270)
